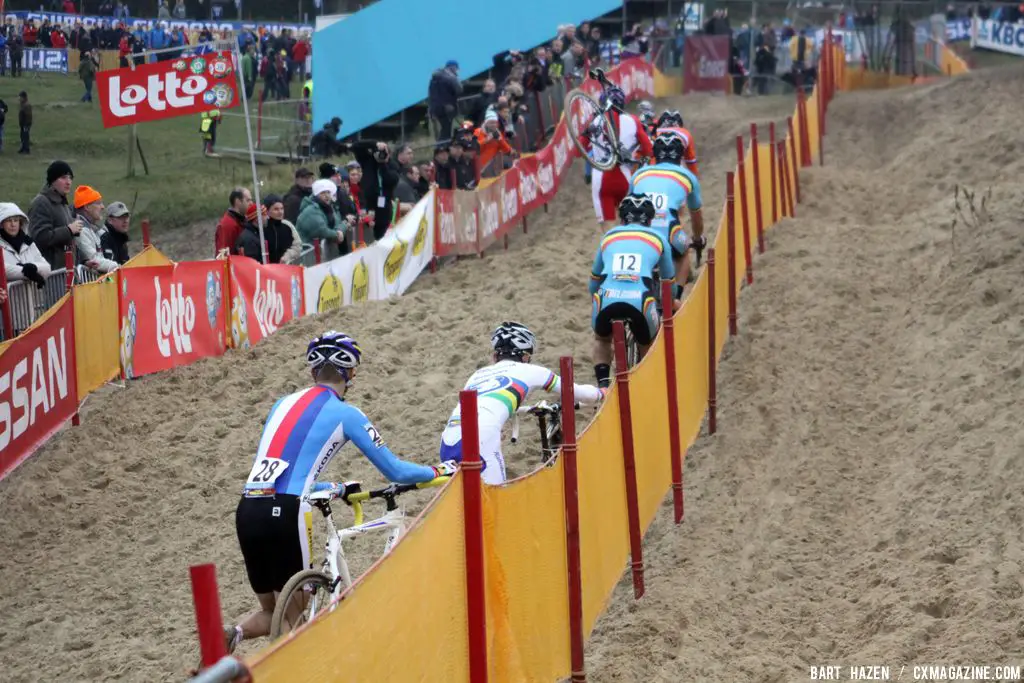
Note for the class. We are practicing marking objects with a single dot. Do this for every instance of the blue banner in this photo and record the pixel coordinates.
(132, 23)
(41, 59)
(958, 29)
(999, 36)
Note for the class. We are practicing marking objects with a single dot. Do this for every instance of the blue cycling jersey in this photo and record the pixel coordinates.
(669, 186)
(625, 262)
(304, 431)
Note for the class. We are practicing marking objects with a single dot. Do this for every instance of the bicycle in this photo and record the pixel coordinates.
(549, 417)
(587, 118)
(334, 577)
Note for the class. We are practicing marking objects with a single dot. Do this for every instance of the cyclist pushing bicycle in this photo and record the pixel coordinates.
(502, 389)
(303, 432)
(622, 281)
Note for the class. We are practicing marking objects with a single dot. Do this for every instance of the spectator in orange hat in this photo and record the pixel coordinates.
(492, 141)
(89, 208)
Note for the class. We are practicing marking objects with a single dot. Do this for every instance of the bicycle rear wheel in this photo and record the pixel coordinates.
(632, 347)
(312, 590)
(583, 115)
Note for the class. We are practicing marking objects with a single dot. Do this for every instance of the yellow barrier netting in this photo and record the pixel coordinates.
(97, 335)
(150, 256)
(648, 389)
(421, 587)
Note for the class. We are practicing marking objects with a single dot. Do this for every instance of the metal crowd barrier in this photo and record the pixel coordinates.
(28, 301)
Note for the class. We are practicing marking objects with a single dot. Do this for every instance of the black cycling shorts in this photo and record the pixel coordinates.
(275, 535)
(644, 329)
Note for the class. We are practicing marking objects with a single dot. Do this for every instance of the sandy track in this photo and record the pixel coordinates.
(861, 504)
(101, 525)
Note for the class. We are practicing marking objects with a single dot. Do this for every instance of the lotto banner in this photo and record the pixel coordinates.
(510, 208)
(488, 213)
(406, 249)
(170, 315)
(706, 63)
(37, 385)
(466, 223)
(636, 77)
(530, 196)
(546, 184)
(445, 239)
(263, 298)
(161, 90)
(563, 150)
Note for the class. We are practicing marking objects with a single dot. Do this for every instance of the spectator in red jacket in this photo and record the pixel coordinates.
(231, 224)
(58, 40)
(30, 34)
(69, 8)
(299, 53)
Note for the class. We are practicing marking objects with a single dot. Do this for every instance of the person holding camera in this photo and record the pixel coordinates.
(492, 143)
(378, 184)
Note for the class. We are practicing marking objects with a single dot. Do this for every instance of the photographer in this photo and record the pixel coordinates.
(536, 77)
(492, 143)
(505, 62)
(378, 183)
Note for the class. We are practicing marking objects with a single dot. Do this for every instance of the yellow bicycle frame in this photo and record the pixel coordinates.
(356, 500)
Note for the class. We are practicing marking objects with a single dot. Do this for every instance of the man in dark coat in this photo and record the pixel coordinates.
(51, 222)
(302, 188)
(443, 98)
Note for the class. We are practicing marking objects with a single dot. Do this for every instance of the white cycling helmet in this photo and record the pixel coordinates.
(513, 339)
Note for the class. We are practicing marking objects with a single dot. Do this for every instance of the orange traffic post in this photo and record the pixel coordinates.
(145, 233)
(636, 551)
(208, 618)
(805, 135)
(712, 347)
(473, 524)
(69, 283)
(674, 449)
(758, 213)
(774, 173)
(570, 487)
(730, 228)
(794, 186)
(741, 172)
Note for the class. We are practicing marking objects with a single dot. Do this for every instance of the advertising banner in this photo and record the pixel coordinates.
(342, 281)
(510, 207)
(546, 173)
(530, 196)
(37, 385)
(162, 90)
(49, 60)
(996, 35)
(406, 249)
(488, 212)
(263, 298)
(445, 238)
(563, 150)
(466, 223)
(706, 62)
(635, 77)
(132, 23)
(170, 315)
(958, 29)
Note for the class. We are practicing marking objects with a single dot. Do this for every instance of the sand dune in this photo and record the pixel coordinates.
(102, 524)
(861, 504)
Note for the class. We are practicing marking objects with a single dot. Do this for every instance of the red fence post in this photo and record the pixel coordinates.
(674, 449)
(741, 172)
(780, 161)
(474, 528)
(788, 164)
(758, 213)
(636, 551)
(775, 179)
(795, 185)
(208, 620)
(570, 487)
(805, 135)
(730, 227)
(712, 348)
(821, 127)
(69, 283)
(145, 233)
(6, 307)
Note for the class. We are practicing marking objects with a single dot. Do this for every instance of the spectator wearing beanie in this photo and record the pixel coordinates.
(443, 175)
(355, 179)
(51, 223)
(283, 243)
(22, 260)
(114, 234)
(231, 224)
(89, 208)
(317, 220)
(302, 188)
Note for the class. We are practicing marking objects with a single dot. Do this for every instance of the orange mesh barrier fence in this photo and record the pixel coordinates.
(97, 335)
(407, 614)
(765, 159)
(722, 286)
(649, 409)
(150, 256)
(691, 323)
(527, 595)
(812, 124)
(604, 539)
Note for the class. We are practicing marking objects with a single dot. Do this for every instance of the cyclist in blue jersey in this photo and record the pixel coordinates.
(670, 187)
(303, 432)
(622, 281)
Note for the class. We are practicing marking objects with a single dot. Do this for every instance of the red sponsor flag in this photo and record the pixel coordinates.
(38, 391)
(706, 59)
(262, 299)
(162, 90)
(170, 315)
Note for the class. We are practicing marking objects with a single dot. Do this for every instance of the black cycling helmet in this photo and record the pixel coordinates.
(671, 117)
(637, 209)
(512, 339)
(668, 147)
(336, 349)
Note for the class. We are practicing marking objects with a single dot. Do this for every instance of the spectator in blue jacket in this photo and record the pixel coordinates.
(443, 98)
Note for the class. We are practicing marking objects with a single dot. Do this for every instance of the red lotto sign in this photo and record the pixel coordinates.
(170, 315)
(162, 90)
(262, 299)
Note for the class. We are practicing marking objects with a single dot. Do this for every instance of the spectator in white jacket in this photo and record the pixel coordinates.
(22, 258)
(89, 206)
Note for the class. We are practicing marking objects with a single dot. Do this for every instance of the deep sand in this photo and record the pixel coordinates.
(854, 508)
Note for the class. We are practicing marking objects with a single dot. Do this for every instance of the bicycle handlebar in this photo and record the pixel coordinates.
(393, 490)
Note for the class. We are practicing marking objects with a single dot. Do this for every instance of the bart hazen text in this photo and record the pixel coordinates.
(916, 673)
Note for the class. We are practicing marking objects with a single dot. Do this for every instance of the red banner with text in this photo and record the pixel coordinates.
(510, 212)
(706, 62)
(263, 298)
(37, 385)
(488, 213)
(170, 315)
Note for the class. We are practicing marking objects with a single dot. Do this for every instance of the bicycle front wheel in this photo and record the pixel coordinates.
(306, 594)
(584, 117)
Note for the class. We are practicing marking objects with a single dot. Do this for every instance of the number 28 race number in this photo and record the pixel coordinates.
(264, 473)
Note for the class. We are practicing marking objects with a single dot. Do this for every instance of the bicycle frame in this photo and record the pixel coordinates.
(335, 563)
